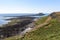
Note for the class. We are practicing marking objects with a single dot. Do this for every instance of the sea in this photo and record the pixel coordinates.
(8, 16)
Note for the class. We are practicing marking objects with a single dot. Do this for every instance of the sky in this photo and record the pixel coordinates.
(29, 6)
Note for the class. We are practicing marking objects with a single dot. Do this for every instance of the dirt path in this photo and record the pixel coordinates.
(43, 24)
(35, 28)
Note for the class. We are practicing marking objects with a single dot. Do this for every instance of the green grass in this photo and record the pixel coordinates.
(41, 20)
(13, 22)
(13, 37)
(47, 32)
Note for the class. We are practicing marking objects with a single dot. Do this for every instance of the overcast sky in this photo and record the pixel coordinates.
(29, 6)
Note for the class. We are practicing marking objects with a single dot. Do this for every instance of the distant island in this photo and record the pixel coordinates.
(38, 14)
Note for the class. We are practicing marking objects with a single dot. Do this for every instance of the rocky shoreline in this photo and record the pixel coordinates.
(18, 26)
(21, 27)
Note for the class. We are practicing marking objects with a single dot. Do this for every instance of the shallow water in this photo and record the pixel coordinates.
(3, 21)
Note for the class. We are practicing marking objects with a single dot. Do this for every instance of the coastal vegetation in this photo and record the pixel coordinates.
(49, 31)
(41, 20)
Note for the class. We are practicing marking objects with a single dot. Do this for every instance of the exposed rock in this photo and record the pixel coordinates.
(55, 14)
(14, 29)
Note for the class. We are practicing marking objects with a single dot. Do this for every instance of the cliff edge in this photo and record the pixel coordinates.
(47, 28)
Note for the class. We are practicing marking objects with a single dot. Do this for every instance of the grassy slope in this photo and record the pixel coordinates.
(13, 37)
(41, 20)
(48, 32)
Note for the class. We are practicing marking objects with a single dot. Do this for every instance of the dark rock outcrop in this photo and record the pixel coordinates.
(11, 30)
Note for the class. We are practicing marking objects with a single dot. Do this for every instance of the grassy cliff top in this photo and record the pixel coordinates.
(49, 31)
